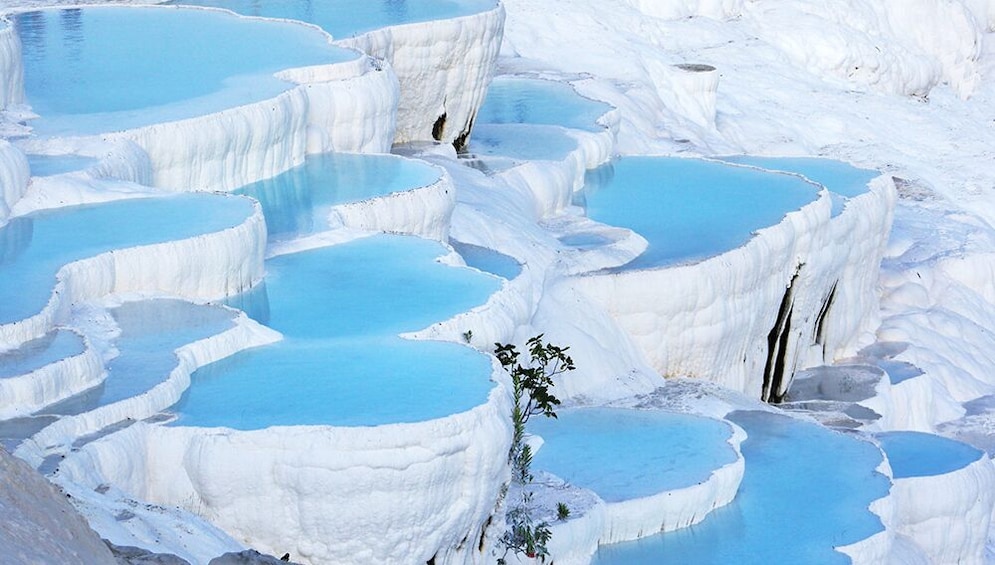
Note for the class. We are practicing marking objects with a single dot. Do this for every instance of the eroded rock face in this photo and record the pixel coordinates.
(249, 557)
(39, 524)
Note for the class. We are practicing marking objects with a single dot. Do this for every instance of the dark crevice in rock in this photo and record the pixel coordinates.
(777, 347)
(462, 141)
(439, 127)
(820, 323)
(483, 534)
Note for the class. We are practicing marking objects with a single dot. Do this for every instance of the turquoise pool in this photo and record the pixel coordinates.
(513, 100)
(342, 362)
(101, 69)
(916, 454)
(299, 201)
(33, 248)
(343, 18)
(806, 490)
(626, 454)
(690, 209)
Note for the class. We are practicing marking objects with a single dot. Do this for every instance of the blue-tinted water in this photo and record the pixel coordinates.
(40, 352)
(48, 165)
(899, 371)
(521, 142)
(99, 69)
(488, 260)
(806, 490)
(33, 248)
(299, 201)
(839, 177)
(533, 101)
(585, 240)
(340, 309)
(915, 454)
(625, 454)
(151, 331)
(343, 18)
(690, 209)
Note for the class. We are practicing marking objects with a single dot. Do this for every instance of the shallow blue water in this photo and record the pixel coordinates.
(839, 177)
(151, 331)
(625, 454)
(488, 260)
(299, 201)
(33, 248)
(915, 454)
(513, 100)
(40, 352)
(47, 165)
(806, 490)
(899, 371)
(100, 69)
(343, 18)
(690, 209)
(340, 309)
(521, 142)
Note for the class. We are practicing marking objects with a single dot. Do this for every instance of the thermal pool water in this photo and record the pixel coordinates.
(690, 209)
(82, 75)
(33, 248)
(806, 490)
(343, 18)
(341, 361)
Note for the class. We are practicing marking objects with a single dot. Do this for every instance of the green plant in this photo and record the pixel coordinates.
(562, 511)
(531, 384)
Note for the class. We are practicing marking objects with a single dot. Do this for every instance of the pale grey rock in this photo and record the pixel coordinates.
(39, 525)
(247, 557)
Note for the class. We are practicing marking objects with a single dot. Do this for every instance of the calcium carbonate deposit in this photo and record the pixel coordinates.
(261, 263)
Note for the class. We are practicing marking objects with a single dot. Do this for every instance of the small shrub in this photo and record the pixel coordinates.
(562, 512)
(531, 384)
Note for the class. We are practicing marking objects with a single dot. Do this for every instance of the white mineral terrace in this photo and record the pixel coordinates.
(305, 366)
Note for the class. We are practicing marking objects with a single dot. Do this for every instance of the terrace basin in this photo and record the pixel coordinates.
(623, 454)
(690, 209)
(341, 361)
(943, 494)
(806, 491)
(843, 180)
(344, 18)
(514, 100)
(81, 74)
(299, 201)
(33, 248)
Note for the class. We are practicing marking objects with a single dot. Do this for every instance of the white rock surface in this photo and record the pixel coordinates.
(234, 147)
(392, 493)
(58, 437)
(444, 68)
(673, 9)
(11, 66)
(25, 394)
(14, 177)
(425, 211)
(872, 44)
(204, 267)
(701, 320)
(948, 515)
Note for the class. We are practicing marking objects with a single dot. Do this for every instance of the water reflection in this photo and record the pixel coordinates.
(15, 237)
(71, 23)
(594, 180)
(30, 28)
(254, 302)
